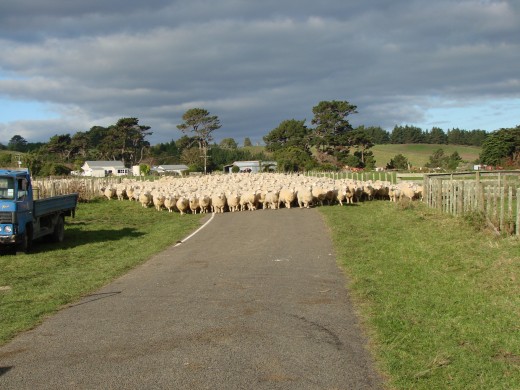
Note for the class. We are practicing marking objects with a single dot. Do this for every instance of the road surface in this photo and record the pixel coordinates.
(255, 300)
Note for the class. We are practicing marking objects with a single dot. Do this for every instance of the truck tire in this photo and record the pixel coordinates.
(26, 245)
(59, 230)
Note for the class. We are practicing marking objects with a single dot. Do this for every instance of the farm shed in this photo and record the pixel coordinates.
(252, 166)
(164, 169)
(104, 168)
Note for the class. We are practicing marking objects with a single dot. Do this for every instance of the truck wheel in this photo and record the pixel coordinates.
(26, 245)
(59, 230)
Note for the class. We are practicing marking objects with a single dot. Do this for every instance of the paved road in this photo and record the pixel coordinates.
(255, 300)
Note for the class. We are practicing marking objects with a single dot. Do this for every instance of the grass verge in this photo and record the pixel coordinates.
(440, 302)
(106, 239)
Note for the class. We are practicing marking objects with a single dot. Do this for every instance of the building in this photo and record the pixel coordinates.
(104, 168)
(252, 166)
(168, 169)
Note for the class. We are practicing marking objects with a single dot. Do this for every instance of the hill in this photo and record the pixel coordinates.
(418, 154)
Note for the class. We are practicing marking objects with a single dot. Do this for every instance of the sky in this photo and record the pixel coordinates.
(69, 65)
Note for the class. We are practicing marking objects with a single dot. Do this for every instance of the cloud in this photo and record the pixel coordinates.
(253, 64)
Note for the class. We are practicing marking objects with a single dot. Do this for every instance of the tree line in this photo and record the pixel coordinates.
(330, 142)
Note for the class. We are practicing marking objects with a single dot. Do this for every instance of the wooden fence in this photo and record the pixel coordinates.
(88, 188)
(494, 195)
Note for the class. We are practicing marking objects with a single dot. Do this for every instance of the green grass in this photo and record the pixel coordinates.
(106, 239)
(440, 301)
(418, 154)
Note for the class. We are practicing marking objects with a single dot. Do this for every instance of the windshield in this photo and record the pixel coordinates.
(6, 188)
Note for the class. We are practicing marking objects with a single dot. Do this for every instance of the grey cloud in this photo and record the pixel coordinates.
(255, 64)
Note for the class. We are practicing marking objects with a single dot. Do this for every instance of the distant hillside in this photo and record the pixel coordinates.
(419, 154)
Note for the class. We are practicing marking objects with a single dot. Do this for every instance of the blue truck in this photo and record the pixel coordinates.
(24, 219)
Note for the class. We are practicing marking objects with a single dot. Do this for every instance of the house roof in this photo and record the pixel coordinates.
(179, 167)
(102, 164)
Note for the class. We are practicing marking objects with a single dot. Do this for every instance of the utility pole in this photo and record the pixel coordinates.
(205, 156)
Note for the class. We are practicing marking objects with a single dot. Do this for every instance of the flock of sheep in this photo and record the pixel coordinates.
(243, 191)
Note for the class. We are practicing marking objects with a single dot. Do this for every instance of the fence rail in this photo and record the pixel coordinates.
(493, 194)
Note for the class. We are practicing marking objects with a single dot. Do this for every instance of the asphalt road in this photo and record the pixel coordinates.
(255, 300)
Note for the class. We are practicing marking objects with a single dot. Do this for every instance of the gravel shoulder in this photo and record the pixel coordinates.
(255, 300)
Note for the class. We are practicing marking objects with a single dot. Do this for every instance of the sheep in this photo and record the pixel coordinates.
(272, 200)
(194, 203)
(158, 200)
(130, 193)
(368, 191)
(341, 195)
(110, 192)
(170, 202)
(121, 193)
(248, 200)
(183, 204)
(318, 194)
(394, 192)
(218, 202)
(233, 201)
(287, 196)
(305, 197)
(204, 203)
(145, 198)
(331, 195)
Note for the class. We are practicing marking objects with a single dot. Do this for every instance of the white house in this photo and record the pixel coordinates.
(104, 168)
(164, 169)
(252, 166)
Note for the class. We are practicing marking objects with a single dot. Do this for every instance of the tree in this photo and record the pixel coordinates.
(60, 145)
(247, 142)
(398, 162)
(228, 143)
(502, 146)
(123, 141)
(437, 159)
(199, 122)
(165, 153)
(17, 144)
(192, 158)
(361, 141)
(80, 144)
(379, 135)
(293, 159)
(437, 136)
(453, 161)
(329, 135)
(289, 133)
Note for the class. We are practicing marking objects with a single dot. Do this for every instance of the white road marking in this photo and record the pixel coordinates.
(196, 231)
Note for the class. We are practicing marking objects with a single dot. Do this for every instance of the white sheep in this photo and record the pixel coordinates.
(272, 200)
(194, 203)
(183, 204)
(170, 202)
(110, 192)
(218, 202)
(145, 198)
(121, 192)
(158, 200)
(233, 201)
(305, 197)
(204, 203)
(287, 196)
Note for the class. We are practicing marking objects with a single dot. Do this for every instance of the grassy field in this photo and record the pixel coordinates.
(418, 154)
(439, 300)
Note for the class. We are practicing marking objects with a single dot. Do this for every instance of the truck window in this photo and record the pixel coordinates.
(22, 188)
(6, 188)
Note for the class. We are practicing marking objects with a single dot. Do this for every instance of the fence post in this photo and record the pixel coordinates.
(518, 212)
